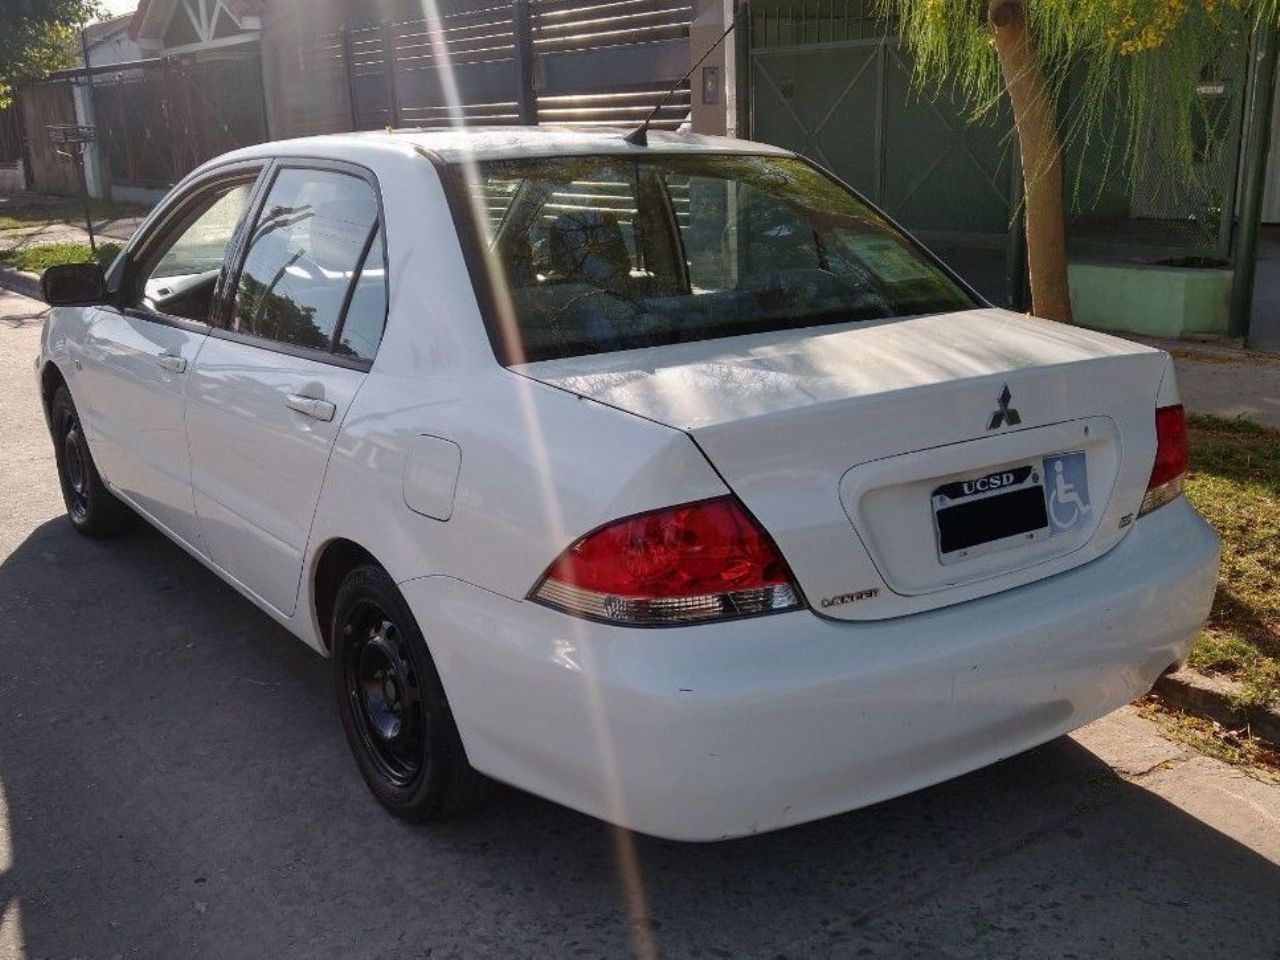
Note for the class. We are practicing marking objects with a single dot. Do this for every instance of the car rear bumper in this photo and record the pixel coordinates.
(715, 731)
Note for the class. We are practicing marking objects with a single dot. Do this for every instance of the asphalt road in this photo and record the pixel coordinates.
(174, 784)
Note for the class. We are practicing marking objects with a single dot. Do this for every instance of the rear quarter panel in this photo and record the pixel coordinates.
(539, 468)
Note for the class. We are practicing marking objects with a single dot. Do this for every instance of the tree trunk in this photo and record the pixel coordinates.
(1033, 116)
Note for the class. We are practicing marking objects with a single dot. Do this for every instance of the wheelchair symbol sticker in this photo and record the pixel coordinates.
(1066, 491)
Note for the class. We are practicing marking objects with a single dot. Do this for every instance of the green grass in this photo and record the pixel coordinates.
(38, 258)
(41, 212)
(1235, 483)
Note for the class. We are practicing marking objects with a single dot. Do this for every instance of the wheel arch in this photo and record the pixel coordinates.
(51, 378)
(334, 560)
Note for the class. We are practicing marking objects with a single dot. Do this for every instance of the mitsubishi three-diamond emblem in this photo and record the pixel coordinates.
(1006, 415)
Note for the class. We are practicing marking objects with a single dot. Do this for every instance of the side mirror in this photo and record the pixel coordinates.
(74, 285)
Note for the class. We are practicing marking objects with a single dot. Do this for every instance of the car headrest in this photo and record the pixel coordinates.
(588, 246)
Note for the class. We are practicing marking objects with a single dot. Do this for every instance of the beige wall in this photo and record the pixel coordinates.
(711, 17)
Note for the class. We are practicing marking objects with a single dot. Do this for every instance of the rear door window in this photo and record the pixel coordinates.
(367, 312)
(304, 257)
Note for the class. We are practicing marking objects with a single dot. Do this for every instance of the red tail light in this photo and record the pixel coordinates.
(1170, 470)
(699, 561)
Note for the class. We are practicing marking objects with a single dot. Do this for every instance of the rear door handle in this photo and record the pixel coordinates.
(321, 410)
(172, 362)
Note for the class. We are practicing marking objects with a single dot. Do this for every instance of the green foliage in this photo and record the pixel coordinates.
(38, 36)
(1127, 74)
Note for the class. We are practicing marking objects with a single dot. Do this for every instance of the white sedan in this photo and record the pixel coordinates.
(671, 482)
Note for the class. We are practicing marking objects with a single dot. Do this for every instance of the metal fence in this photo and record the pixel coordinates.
(590, 61)
(829, 78)
(814, 87)
(791, 23)
(1152, 207)
(829, 81)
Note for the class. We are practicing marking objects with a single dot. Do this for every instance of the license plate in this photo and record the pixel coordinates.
(1020, 504)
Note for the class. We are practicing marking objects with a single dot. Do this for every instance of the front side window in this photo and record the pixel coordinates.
(182, 281)
(307, 247)
(608, 253)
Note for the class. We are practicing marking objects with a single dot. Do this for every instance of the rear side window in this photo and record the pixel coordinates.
(306, 261)
(604, 253)
(367, 312)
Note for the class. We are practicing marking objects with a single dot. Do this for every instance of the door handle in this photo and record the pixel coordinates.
(172, 362)
(321, 410)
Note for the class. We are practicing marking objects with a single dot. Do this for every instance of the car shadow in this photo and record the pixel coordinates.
(175, 784)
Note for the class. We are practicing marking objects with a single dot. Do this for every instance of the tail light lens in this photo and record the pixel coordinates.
(696, 562)
(1170, 470)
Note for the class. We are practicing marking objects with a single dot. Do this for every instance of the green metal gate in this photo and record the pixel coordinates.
(849, 104)
(827, 79)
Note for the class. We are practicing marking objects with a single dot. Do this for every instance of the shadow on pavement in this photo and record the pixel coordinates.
(177, 785)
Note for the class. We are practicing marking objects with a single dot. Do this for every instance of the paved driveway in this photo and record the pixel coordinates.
(174, 783)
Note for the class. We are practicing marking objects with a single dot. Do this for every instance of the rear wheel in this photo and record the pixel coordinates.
(393, 706)
(93, 509)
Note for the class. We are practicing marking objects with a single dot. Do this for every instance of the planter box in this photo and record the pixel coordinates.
(1157, 301)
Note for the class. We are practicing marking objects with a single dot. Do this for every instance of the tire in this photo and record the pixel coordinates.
(392, 704)
(93, 509)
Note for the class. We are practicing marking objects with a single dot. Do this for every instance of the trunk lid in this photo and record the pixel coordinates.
(852, 445)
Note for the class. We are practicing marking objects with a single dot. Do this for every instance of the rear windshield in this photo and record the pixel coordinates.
(593, 254)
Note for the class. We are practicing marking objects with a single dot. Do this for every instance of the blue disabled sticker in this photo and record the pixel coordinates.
(1066, 492)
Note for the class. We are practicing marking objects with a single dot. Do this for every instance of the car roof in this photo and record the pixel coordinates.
(460, 145)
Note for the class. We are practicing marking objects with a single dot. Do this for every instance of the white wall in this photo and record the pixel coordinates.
(93, 179)
(117, 49)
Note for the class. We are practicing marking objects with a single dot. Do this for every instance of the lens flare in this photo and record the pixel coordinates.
(626, 857)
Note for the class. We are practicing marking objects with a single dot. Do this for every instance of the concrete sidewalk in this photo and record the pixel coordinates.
(1223, 380)
(108, 231)
(1244, 386)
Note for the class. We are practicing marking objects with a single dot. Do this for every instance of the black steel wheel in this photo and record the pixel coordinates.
(93, 509)
(386, 699)
(392, 703)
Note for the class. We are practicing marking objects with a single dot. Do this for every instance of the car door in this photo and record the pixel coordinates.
(137, 353)
(268, 391)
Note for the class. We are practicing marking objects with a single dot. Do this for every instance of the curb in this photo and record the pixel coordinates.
(1210, 349)
(1215, 698)
(16, 281)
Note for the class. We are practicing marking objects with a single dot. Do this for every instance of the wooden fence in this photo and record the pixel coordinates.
(158, 122)
(10, 135)
(40, 105)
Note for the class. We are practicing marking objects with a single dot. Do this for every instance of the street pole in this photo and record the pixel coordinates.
(1257, 146)
(526, 95)
(82, 148)
(742, 70)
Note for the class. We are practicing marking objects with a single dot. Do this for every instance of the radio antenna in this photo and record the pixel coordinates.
(639, 137)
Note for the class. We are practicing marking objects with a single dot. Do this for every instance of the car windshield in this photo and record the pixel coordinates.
(605, 253)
